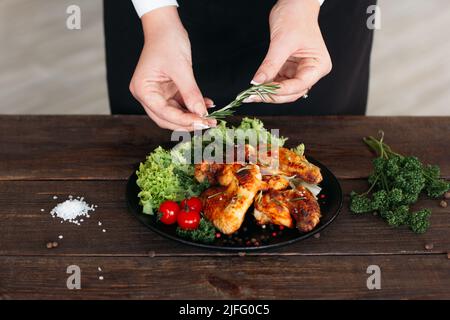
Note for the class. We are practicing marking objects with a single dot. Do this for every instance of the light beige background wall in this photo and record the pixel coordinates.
(47, 69)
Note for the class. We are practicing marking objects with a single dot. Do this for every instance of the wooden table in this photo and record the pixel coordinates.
(92, 156)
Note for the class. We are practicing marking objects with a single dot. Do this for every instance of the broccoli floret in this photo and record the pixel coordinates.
(418, 221)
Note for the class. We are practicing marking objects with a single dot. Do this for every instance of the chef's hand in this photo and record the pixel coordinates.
(163, 81)
(297, 56)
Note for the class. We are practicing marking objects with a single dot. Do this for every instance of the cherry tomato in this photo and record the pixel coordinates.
(188, 220)
(169, 211)
(193, 204)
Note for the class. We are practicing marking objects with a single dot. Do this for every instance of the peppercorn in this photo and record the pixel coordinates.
(429, 246)
(49, 245)
(54, 244)
(443, 204)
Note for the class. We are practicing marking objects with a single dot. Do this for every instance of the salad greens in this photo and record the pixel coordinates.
(160, 179)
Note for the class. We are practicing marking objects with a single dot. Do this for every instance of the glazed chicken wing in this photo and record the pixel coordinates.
(278, 207)
(226, 205)
(291, 164)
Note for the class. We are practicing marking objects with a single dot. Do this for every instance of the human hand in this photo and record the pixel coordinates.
(297, 56)
(163, 81)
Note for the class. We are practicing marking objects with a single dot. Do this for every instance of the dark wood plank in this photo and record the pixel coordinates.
(402, 277)
(107, 147)
(25, 230)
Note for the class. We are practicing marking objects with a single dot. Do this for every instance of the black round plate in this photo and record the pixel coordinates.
(250, 236)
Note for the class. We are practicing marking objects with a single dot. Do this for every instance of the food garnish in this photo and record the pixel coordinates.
(396, 183)
(264, 91)
(160, 179)
(205, 233)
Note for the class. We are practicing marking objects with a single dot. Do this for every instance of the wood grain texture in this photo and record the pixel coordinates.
(107, 148)
(92, 156)
(402, 277)
(25, 230)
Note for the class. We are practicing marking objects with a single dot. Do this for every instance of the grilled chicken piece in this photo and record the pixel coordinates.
(226, 205)
(270, 207)
(276, 182)
(292, 164)
(207, 171)
(278, 207)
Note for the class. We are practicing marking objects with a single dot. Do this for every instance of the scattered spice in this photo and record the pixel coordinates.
(429, 246)
(100, 278)
(49, 245)
(60, 236)
(42, 210)
(54, 244)
(443, 204)
(317, 235)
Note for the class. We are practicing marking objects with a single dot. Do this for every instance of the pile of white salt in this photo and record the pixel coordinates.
(72, 210)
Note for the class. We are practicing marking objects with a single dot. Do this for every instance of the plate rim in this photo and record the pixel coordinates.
(132, 179)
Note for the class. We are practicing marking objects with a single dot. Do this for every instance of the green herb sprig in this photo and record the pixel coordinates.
(264, 91)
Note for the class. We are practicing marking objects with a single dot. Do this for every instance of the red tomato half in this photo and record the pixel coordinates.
(169, 211)
(188, 220)
(193, 204)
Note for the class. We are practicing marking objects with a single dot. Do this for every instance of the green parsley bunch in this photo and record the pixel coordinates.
(395, 183)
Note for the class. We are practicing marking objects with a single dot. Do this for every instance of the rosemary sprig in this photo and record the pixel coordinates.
(215, 194)
(264, 91)
(297, 199)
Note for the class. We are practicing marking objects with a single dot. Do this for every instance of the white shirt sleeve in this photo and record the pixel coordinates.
(144, 6)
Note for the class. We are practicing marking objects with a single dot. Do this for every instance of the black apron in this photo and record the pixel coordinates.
(229, 40)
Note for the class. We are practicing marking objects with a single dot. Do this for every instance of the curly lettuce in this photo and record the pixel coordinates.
(160, 179)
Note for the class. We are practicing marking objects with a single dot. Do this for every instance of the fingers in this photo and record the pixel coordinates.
(276, 57)
(171, 111)
(169, 114)
(280, 98)
(209, 103)
(308, 72)
(192, 97)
